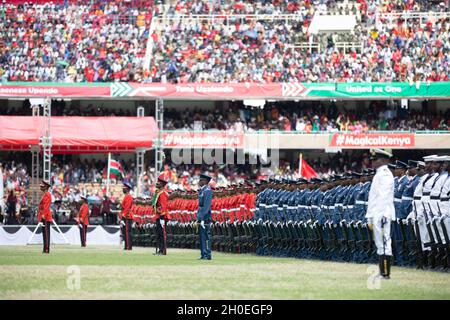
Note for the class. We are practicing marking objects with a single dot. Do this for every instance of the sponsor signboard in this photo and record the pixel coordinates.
(204, 140)
(216, 91)
(372, 140)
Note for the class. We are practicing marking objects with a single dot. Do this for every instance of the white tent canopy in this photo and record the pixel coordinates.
(324, 24)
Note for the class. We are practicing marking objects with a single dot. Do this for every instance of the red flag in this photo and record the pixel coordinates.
(306, 171)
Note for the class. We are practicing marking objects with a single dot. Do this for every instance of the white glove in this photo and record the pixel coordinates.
(80, 225)
(202, 223)
(161, 222)
(122, 223)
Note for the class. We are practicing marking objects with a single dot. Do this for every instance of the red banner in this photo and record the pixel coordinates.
(372, 140)
(54, 91)
(204, 140)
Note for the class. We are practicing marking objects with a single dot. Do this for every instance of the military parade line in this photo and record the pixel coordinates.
(398, 213)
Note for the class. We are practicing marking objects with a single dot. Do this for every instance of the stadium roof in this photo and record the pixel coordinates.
(79, 134)
(324, 24)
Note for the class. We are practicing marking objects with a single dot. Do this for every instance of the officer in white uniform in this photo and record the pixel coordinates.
(424, 216)
(381, 210)
(435, 197)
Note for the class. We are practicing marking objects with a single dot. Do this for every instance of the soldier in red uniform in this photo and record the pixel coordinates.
(83, 220)
(160, 203)
(126, 216)
(45, 215)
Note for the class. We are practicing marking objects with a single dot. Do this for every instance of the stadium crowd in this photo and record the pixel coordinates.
(103, 41)
(73, 42)
(308, 118)
(249, 49)
(302, 117)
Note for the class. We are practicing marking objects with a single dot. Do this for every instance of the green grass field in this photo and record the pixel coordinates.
(110, 273)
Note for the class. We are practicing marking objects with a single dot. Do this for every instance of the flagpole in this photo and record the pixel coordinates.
(300, 165)
(107, 174)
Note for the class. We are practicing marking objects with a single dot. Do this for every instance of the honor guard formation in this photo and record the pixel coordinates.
(395, 213)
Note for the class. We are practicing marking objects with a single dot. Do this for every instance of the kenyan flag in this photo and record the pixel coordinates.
(115, 169)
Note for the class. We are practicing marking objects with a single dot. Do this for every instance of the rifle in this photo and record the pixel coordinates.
(345, 233)
(332, 231)
(404, 238)
(444, 228)
(438, 239)
(315, 230)
(446, 237)
(419, 251)
(432, 242)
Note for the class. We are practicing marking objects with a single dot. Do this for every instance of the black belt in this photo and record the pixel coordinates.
(434, 197)
(445, 199)
(417, 198)
(426, 193)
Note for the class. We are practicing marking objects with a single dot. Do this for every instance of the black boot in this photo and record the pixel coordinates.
(385, 266)
(380, 265)
(388, 262)
(432, 259)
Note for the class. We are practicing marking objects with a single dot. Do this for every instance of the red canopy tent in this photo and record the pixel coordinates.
(79, 134)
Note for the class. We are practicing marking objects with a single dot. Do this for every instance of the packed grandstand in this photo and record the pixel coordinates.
(223, 41)
(227, 42)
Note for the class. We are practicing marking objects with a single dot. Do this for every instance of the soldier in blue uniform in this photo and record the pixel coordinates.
(399, 233)
(416, 169)
(204, 216)
(359, 211)
(402, 180)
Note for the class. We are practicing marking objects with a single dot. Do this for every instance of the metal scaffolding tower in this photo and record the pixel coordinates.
(35, 153)
(34, 194)
(140, 154)
(45, 144)
(46, 140)
(158, 143)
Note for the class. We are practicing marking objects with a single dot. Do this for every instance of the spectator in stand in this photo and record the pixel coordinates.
(105, 210)
(307, 118)
(11, 204)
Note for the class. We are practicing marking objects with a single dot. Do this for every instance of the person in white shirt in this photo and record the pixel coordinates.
(380, 209)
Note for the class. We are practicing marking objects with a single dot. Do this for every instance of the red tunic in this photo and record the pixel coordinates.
(44, 212)
(162, 205)
(127, 203)
(83, 216)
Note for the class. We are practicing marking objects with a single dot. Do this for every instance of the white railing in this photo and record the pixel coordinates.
(422, 16)
(315, 46)
(306, 46)
(349, 45)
